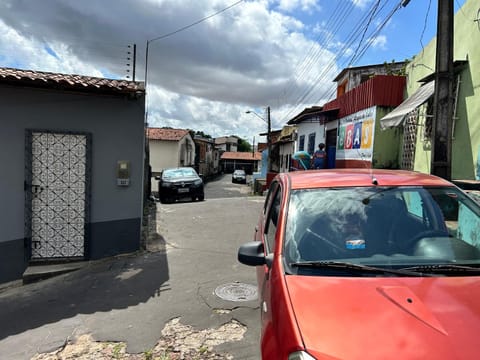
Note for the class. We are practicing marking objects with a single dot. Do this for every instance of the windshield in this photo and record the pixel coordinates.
(382, 226)
(171, 174)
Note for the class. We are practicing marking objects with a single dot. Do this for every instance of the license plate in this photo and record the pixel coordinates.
(183, 190)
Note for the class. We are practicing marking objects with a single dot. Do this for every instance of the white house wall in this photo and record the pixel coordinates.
(286, 152)
(163, 154)
(307, 128)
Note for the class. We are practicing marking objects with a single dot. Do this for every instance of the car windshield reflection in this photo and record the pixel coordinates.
(381, 226)
(179, 173)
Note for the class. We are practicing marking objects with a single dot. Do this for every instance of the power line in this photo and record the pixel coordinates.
(354, 34)
(356, 57)
(425, 24)
(196, 22)
(312, 57)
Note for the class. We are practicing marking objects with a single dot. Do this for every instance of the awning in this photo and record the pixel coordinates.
(396, 117)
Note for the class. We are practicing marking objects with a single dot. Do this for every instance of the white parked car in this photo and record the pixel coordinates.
(239, 176)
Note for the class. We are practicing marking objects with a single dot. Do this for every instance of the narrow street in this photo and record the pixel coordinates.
(186, 296)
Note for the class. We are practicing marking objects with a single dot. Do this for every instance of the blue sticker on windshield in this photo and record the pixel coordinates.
(355, 244)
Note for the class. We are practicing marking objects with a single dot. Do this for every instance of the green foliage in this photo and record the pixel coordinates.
(148, 355)
(398, 72)
(117, 349)
(244, 146)
(201, 134)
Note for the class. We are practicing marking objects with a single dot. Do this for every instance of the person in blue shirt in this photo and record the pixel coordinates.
(320, 157)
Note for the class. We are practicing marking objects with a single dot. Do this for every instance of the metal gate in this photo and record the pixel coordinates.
(409, 140)
(57, 194)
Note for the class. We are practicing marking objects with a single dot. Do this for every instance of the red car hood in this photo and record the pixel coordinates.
(386, 318)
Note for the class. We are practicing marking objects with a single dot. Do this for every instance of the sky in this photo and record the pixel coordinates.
(211, 61)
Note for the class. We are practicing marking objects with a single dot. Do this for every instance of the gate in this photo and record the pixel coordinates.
(409, 140)
(57, 194)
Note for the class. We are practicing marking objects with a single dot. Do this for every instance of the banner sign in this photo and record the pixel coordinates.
(355, 135)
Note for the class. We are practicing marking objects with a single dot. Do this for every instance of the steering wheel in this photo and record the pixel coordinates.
(314, 246)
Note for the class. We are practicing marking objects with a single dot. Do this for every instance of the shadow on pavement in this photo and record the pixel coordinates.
(114, 283)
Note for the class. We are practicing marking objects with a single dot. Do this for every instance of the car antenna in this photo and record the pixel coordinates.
(374, 179)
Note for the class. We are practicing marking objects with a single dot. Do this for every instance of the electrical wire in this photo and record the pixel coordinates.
(318, 48)
(425, 24)
(366, 28)
(377, 31)
(196, 22)
(353, 36)
(355, 33)
(342, 50)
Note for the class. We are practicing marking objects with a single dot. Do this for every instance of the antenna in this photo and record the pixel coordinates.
(374, 179)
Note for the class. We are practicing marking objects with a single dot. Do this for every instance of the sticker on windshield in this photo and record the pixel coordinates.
(355, 244)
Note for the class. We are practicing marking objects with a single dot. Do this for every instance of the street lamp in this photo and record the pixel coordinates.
(254, 113)
(269, 140)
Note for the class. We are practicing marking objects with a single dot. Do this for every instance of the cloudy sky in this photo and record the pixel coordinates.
(212, 60)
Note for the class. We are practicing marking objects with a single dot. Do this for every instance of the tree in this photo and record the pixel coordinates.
(200, 134)
(243, 146)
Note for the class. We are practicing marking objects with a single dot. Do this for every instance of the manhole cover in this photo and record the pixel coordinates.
(236, 292)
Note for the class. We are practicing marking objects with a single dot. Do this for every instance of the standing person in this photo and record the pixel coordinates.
(320, 157)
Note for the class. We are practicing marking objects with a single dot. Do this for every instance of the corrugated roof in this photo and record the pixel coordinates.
(12, 76)
(235, 155)
(166, 134)
(381, 90)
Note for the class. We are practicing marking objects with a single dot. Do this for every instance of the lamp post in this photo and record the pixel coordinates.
(147, 168)
(269, 140)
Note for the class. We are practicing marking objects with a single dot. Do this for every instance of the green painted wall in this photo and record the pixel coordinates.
(386, 145)
(466, 142)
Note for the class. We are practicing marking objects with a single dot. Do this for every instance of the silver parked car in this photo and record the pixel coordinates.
(239, 176)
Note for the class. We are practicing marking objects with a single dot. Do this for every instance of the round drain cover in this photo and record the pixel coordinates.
(236, 292)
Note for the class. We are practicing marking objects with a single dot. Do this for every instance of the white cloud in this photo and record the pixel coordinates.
(304, 5)
(380, 42)
(362, 4)
(203, 78)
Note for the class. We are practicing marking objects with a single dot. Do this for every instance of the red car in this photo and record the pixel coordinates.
(367, 264)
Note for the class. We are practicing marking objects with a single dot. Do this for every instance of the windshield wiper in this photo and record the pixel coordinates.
(443, 268)
(355, 268)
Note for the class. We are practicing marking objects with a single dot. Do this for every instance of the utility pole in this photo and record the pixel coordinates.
(441, 157)
(269, 140)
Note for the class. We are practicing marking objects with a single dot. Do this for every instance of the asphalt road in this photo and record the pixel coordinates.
(190, 277)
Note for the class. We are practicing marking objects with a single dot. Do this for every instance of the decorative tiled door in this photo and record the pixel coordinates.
(57, 194)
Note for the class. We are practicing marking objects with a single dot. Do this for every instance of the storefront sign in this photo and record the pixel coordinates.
(355, 136)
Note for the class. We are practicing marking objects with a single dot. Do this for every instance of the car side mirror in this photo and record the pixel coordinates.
(158, 177)
(252, 254)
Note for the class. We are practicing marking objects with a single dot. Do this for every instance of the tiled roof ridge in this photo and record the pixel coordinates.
(155, 133)
(73, 80)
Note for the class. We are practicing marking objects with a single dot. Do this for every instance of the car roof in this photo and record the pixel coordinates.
(179, 167)
(359, 177)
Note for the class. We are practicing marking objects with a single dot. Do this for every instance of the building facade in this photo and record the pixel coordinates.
(73, 154)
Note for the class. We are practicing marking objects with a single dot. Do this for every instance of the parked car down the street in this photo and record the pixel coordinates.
(239, 176)
(365, 263)
(180, 183)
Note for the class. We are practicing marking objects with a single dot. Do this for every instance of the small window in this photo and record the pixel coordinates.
(301, 143)
(311, 143)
